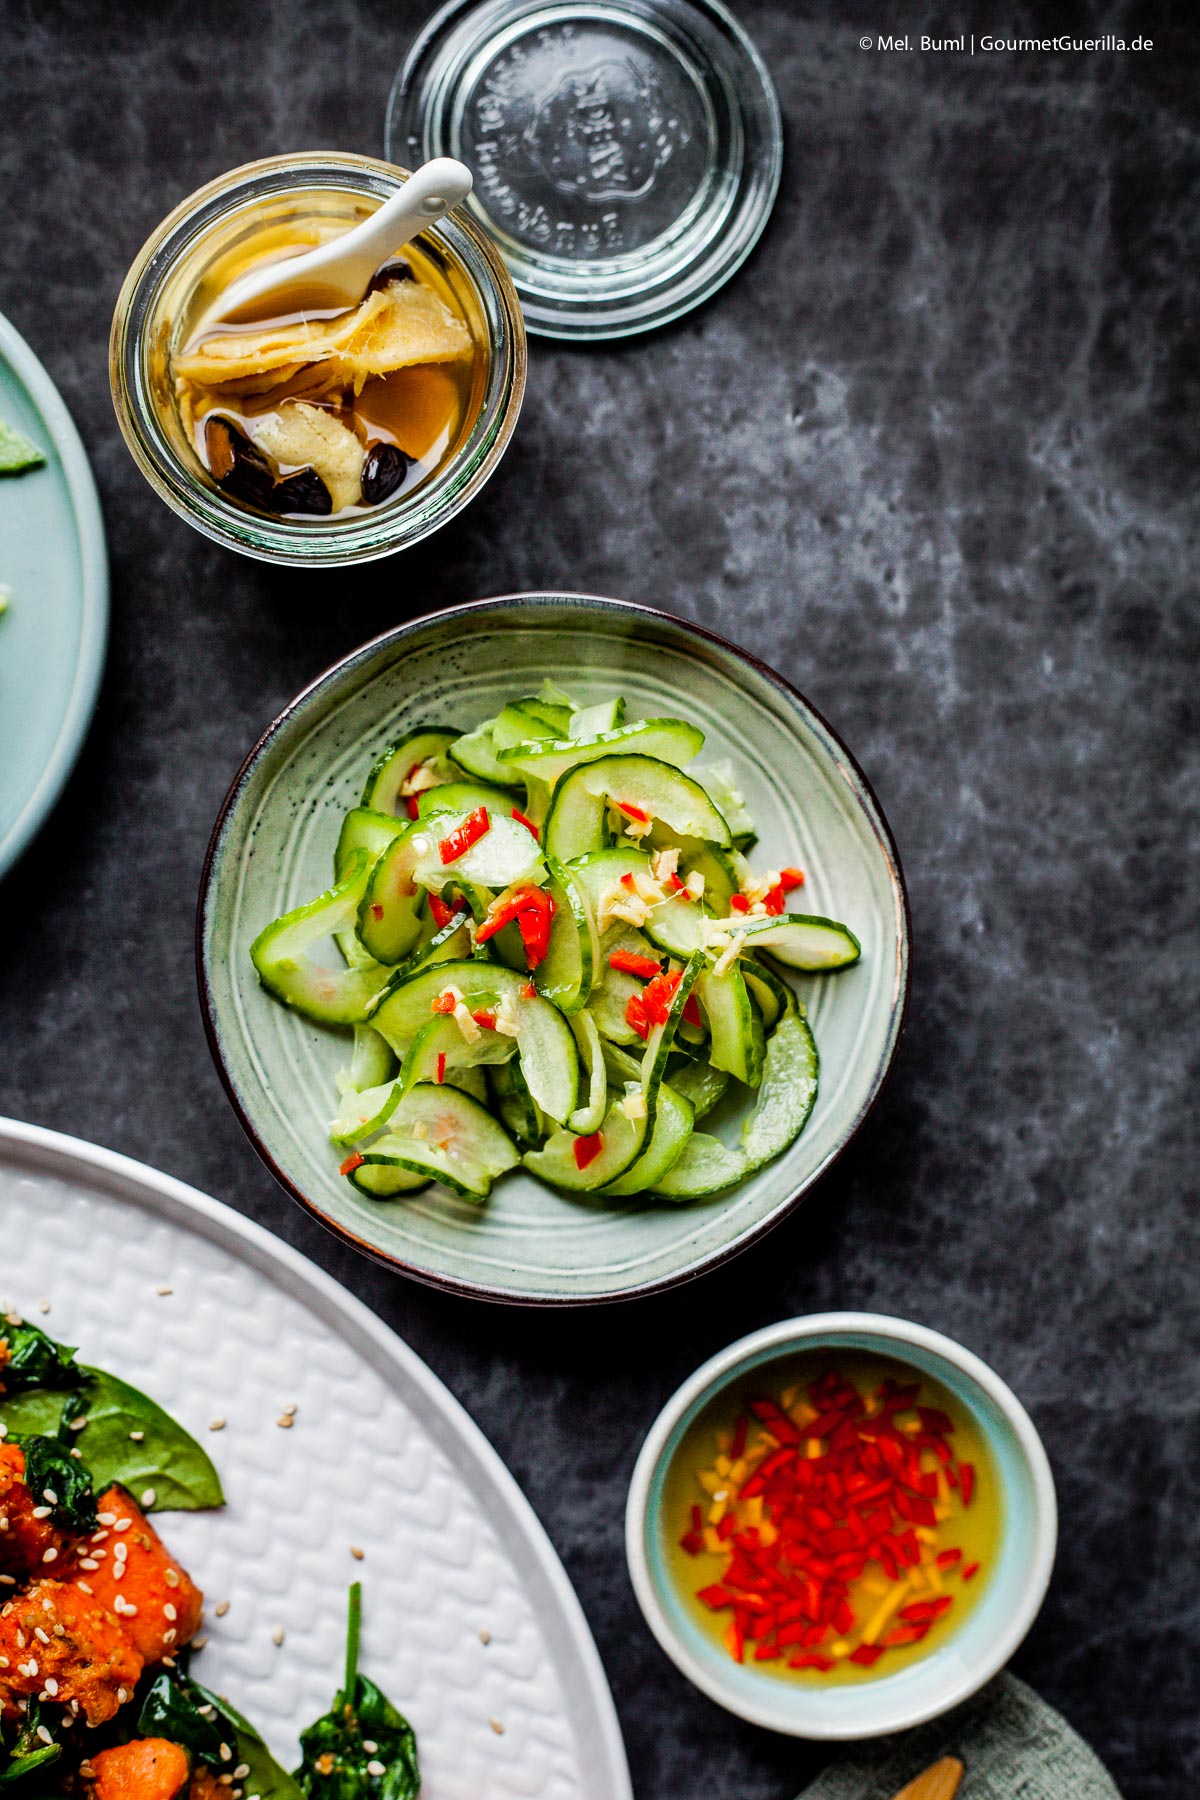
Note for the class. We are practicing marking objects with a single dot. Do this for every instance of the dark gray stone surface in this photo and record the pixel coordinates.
(932, 454)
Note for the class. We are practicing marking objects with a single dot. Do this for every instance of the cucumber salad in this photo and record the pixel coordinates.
(555, 953)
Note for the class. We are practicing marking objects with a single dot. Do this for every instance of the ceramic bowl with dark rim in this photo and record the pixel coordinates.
(272, 848)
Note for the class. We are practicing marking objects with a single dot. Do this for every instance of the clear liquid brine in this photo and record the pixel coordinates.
(324, 414)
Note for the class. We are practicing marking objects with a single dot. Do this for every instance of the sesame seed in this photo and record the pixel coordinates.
(241, 1772)
(77, 1454)
(357, 1552)
(31, 1667)
(8, 1580)
(285, 1421)
(485, 1636)
(135, 1437)
(42, 1512)
(170, 1576)
(50, 1555)
(497, 1727)
(49, 1495)
(108, 1518)
(51, 1686)
(198, 1643)
(168, 1662)
(84, 1588)
(277, 1635)
(43, 1306)
(216, 1424)
(206, 1711)
(88, 1562)
(169, 1611)
(120, 1551)
(3, 1430)
(221, 1608)
(44, 1636)
(164, 1291)
(118, 1571)
(376, 1768)
(148, 1497)
(226, 1753)
(120, 1524)
(41, 1730)
(170, 1636)
(77, 1424)
(370, 1746)
(122, 1696)
(225, 1780)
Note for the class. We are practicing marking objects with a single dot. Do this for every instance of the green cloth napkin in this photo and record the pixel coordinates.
(1013, 1746)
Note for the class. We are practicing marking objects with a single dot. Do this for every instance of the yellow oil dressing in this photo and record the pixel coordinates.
(703, 1474)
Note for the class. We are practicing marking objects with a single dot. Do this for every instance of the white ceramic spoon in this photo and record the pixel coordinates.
(336, 275)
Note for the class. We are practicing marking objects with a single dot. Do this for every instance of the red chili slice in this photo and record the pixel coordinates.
(528, 824)
(413, 806)
(440, 1075)
(352, 1162)
(587, 1149)
(485, 1018)
(459, 841)
(442, 914)
(444, 1003)
(633, 812)
(630, 963)
(791, 878)
(739, 904)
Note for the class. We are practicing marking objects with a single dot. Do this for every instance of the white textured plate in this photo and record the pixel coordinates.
(380, 1456)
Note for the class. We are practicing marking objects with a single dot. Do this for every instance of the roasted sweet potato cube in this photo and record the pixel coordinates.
(131, 1572)
(146, 1769)
(24, 1538)
(56, 1639)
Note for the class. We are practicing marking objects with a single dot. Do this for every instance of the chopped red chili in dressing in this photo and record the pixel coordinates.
(459, 841)
(630, 963)
(827, 1506)
(442, 914)
(587, 1149)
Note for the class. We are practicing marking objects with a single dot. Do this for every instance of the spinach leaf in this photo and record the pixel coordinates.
(336, 1761)
(266, 1780)
(35, 1360)
(29, 1752)
(171, 1709)
(167, 1458)
(51, 1470)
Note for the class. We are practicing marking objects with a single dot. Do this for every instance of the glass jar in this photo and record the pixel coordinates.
(154, 305)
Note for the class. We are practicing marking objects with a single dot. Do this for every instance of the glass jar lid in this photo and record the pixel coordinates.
(626, 153)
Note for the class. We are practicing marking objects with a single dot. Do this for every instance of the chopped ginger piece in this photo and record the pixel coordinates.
(299, 434)
(395, 326)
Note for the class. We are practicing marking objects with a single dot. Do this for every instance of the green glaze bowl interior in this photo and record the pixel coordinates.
(272, 848)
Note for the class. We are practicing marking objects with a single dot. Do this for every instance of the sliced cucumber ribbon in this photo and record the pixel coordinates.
(524, 913)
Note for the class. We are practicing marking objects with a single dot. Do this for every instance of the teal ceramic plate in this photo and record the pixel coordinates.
(52, 637)
(273, 847)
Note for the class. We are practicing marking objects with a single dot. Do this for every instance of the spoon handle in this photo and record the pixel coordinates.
(428, 194)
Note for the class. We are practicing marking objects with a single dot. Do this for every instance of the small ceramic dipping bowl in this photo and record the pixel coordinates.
(962, 1653)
